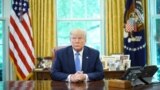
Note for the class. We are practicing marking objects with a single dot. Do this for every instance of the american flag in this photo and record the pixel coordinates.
(21, 48)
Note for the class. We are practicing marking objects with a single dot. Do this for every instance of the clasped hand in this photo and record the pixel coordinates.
(78, 77)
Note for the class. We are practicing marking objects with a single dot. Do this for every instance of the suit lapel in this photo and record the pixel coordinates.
(71, 60)
(85, 59)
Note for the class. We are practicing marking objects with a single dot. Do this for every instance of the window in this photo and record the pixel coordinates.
(86, 14)
(1, 41)
(154, 23)
(1, 48)
(0, 8)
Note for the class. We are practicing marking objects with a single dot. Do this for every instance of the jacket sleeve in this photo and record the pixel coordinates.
(56, 70)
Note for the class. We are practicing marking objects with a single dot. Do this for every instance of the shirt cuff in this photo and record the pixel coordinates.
(69, 78)
(87, 79)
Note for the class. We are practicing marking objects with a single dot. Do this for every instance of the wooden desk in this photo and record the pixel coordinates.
(45, 74)
(58, 85)
(113, 74)
(41, 75)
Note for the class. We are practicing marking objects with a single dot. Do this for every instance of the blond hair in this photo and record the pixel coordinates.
(78, 32)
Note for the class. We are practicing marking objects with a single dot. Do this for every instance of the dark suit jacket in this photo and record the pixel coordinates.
(64, 65)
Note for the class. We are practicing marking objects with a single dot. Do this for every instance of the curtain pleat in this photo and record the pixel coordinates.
(114, 12)
(147, 32)
(43, 25)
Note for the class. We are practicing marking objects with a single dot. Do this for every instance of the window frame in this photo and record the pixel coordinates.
(7, 65)
(102, 19)
(152, 27)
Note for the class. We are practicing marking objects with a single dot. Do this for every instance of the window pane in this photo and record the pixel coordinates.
(1, 56)
(93, 28)
(1, 33)
(78, 8)
(158, 47)
(63, 33)
(1, 61)
(63, 9)
(1, 48)
(0, 8)
(1, 85)
(93, 9)
(158, 6)
(154, 6)
(158, 73)
(158, 26)
(158, 44)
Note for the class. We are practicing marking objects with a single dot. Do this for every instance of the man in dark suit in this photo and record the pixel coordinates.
(77, 63)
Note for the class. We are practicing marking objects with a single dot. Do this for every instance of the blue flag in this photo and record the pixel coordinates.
(134, 36)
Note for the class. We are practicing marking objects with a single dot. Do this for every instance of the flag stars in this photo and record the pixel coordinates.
(16, 3)
(134, 49)
(24, 9)
(140, 47)
(15, 8)
(20, 3)
(19, 14)
(20, 8)
(24, 4)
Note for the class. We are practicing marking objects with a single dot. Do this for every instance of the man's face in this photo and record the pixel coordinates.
(78, 41)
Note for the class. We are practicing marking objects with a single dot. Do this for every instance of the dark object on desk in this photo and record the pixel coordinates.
(140, 73)
(132, 73)
(149, 71)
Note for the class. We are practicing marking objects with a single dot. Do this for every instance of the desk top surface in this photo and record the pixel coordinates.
(58, 85)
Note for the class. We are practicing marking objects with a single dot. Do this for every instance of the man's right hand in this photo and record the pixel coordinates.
(78, 77)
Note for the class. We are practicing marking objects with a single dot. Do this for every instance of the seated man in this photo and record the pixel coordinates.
(77, 63)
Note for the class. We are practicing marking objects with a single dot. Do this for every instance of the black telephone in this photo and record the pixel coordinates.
(134, 73)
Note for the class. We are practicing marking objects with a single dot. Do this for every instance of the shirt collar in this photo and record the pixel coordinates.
(80, 52)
